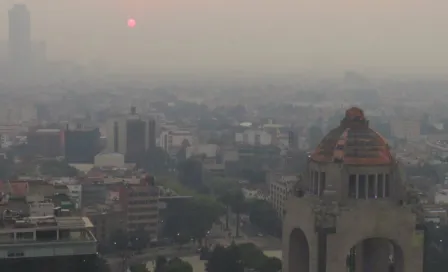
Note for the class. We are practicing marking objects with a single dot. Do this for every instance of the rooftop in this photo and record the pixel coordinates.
(14, 221)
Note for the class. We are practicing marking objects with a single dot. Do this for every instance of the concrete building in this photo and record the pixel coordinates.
(140, 202)
(109, 160)
(47, 142)
(81, 144)
(279, 189)
(173, 140)
(131, 135)
(106, 220)
(45, 243)
(20, 45)
(349, 212)
(253, 137)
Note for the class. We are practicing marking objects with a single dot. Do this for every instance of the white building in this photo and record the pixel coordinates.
(278, 192)
(75, 194)
(253, 137)
(109, 160)
(41, 209)
(173, 139)
(208, 150)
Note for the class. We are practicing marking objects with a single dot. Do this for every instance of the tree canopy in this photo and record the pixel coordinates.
(240, 257)
(264, 216)
(56, 168)
(191, 218)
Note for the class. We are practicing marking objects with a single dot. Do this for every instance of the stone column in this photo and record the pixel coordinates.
(376, 255)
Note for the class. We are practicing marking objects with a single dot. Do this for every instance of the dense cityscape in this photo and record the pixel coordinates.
(118, 172)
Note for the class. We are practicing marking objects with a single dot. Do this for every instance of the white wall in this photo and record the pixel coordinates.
(109, 159)
(250, 137)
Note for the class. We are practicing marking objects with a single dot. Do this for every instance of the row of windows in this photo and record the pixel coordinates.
(369, 186)
(142, 202)
(142, 225)
(359, 187)
(152, 193)
(141, 217)
(145, 209)
(318, 181)
(15, 254)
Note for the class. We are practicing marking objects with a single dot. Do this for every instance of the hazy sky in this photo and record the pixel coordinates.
(258, 35)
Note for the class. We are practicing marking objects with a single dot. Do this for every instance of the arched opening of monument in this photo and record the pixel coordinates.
(375, 255)
(299, 252)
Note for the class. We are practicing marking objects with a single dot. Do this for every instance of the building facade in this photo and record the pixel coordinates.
(350, 211)
(140, 202)
(131, 135)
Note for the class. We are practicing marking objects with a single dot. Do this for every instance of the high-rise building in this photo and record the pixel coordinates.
(81, 144)
(131, 135)
(20, 45)
(352, 211)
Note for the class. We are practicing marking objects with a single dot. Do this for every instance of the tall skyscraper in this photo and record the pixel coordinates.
(20, 45)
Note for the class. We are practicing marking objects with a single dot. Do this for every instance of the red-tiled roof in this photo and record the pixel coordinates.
(354, 143)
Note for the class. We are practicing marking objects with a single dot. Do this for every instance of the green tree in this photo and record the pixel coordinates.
(119, 240)
(56, 168)
(225, 259)
(139, 239)
(238, 205)
(178, 265)
(138, 268)
(271, 264)
(264, 216)
(161, 263)
(191, 218)
(226, 199)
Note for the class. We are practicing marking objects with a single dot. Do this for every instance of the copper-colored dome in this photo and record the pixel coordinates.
(354, 143)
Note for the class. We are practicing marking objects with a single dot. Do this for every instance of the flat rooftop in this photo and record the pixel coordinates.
(46, 222)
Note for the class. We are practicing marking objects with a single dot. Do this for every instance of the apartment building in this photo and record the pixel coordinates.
(140, 202)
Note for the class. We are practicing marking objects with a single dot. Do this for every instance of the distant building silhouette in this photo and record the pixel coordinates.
(19, 44)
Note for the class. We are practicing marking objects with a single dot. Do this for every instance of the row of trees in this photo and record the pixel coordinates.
(121, 240)
(237, 258)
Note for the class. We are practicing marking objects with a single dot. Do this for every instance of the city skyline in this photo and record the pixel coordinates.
(253, 36)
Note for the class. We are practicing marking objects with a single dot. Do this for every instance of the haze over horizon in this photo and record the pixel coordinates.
(258, 36)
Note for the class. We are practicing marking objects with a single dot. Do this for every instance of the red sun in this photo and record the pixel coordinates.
(131, 22)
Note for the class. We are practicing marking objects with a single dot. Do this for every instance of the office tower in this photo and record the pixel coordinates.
(131, 135)
(81, 144)
(20, 46)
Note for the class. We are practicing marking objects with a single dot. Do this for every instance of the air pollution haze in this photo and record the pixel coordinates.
(250, 35)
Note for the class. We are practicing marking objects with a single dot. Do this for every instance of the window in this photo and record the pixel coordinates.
(25, 236)
(380, 186)
(322, 183)
(371, 190)
(315, 183)
(386, 185)
(352, 186)
(362, 187)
